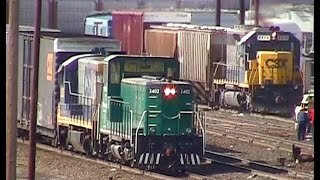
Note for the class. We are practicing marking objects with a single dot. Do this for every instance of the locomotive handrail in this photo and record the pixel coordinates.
(131, 122)
(137, 130)
(75, 94)
(203, 134)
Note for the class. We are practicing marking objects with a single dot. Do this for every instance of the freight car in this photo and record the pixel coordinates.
(55, 48)
(126, 116)
(256, 68)
(117, 107)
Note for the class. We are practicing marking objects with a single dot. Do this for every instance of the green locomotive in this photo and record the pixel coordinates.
(129, 109)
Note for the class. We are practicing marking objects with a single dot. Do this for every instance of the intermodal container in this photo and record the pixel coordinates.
(199, 53)
(99, 24)
(161, 42)
(55, 48)
(128, 28)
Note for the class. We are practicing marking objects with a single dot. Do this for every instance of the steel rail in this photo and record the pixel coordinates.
(252, 120)
(98, 161)
(264, 136)
(111, 164)
(254, 166)
(272, 117)
(246, 123)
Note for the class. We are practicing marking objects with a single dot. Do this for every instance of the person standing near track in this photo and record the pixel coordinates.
(312, 121)
(302, 123)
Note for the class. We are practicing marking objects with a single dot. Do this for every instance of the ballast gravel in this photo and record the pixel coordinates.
(257, 153)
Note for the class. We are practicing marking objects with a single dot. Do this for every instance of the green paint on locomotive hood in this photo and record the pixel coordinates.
(171, 115)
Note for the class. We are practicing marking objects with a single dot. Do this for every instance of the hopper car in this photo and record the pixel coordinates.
(124, 108)
(255, 69)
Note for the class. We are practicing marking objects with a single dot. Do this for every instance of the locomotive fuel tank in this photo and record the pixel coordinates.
(233, 98)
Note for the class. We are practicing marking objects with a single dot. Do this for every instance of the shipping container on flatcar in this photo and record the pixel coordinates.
(129, 26)
(99, 24)
(159, 42)
(162, 40)
(55, 48)
(199, 52)
(25, 29)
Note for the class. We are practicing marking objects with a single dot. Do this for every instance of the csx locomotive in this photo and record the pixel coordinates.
(265, 75)
(128, 109)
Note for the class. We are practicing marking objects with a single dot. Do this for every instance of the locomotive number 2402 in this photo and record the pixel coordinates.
(185, 91)
(154, 91)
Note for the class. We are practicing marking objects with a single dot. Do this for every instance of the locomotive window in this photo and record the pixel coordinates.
(115, 73)
(170, 72)
(142, 66)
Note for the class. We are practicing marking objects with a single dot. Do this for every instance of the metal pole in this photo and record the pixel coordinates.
(12, 91)
(34, 90)
(218, 12)
(256, 12)
(52, 17)
(242, 12)
(99, 5)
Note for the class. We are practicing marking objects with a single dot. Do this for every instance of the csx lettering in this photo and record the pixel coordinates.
(276, 63)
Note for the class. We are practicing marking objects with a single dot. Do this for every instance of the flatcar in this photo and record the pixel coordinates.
(128, 109)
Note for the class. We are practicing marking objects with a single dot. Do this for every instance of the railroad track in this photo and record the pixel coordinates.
(217, 158)
(257, 138)
(126, 168)
(256, 115)
(246, 123)
(259, 169)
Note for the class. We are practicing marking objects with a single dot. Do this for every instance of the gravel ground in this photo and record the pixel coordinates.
(51, 166)
(255, 152)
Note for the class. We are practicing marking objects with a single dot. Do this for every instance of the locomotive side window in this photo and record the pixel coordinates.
(115, 73)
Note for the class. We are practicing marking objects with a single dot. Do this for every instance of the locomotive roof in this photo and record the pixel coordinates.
(74, 58)
(251, 33)
(146, 81)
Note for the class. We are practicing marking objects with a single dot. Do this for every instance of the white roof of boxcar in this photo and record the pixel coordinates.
(74, 58)
(31, 28)
(85, 44)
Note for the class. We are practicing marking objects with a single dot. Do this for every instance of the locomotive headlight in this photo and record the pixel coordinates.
(167, 91)
(188, 130)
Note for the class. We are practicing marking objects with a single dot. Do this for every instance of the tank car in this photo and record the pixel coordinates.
(119, 108)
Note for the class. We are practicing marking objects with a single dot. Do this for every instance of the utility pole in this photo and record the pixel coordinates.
(12, 91)
(34, 90)
(256, 12)
(242, 12)
(218, 12)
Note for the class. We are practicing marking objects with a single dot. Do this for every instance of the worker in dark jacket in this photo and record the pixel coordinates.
(303, 122)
